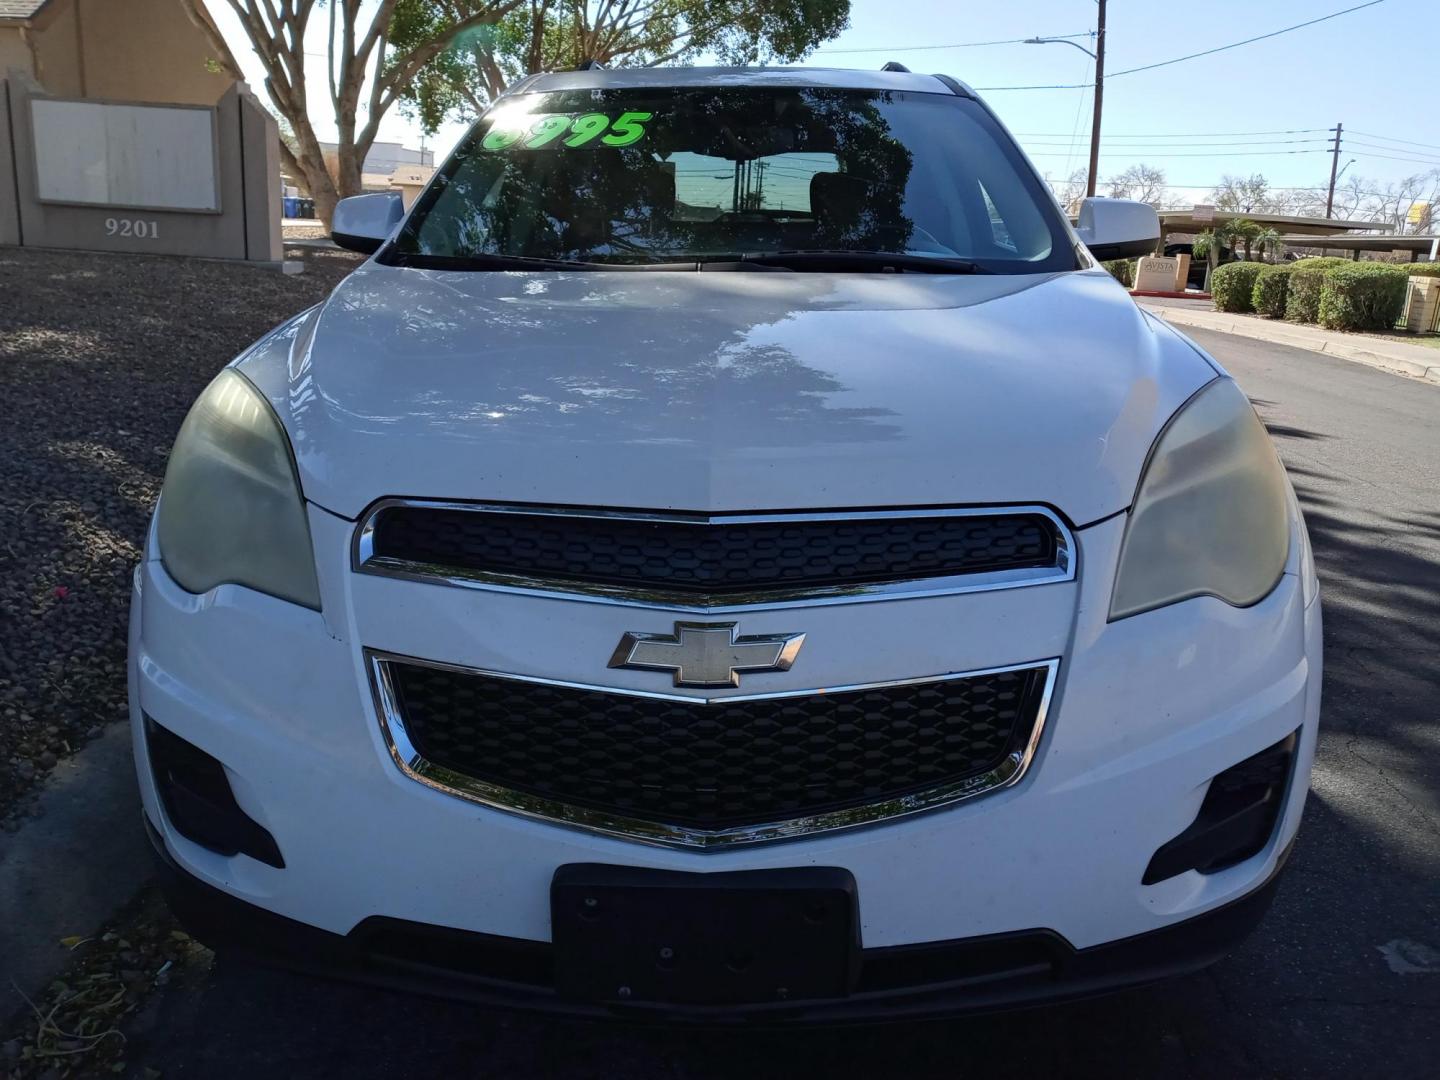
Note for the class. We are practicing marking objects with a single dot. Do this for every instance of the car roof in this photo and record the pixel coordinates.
(598, 78)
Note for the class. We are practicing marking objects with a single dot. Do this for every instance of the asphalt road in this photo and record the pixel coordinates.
(1343, 977)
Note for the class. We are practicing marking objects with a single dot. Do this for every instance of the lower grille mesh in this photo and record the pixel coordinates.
(719, 765)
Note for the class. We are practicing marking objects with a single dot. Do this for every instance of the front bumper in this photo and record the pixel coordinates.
(1145, 712)
(914, 982)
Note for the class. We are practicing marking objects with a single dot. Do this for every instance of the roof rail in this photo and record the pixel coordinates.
(590, 65)
(957, 88)
(895, 65)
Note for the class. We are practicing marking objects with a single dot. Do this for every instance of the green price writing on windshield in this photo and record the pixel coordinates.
(535, 131)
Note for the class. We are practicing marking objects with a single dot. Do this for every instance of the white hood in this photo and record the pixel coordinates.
(725, 391)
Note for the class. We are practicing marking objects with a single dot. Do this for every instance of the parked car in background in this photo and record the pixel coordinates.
(732, 553)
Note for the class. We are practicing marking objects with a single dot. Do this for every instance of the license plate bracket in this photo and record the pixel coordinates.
(632, 935)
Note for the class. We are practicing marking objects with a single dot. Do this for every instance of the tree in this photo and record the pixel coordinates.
(1245, 194)
(368, 69)
(1245, 231)
(1071, 192)
(1209, 244)
(1144, 183)
(1267, 241)
(548, 35)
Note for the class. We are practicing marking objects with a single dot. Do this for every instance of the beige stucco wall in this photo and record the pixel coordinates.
(55, 36)
(14, 52)
(246, 226)
(146, 50)
(119, 50)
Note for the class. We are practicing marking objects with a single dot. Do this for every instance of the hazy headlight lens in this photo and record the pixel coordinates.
(231, 510)
(1210, 516)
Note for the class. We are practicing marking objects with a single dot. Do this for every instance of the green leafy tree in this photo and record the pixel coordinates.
(1211, 244)
(367, 69)
(552, 35)
(1267, 242)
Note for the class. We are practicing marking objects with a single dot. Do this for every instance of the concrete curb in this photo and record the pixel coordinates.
(1298, 338)
(72, 867)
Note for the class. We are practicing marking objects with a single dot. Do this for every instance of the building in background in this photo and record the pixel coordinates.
(385, 157)
(117, 50)
(119, 131)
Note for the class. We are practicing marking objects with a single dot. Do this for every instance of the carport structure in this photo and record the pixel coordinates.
(1199, 219)
(1418, 248)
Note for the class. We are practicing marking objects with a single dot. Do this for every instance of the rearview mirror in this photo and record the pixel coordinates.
(1118, 228)
(363, 222)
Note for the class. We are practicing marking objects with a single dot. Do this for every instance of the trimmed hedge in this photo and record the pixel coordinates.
(1232, 284)
(1302, 294)
(1363, 296)
(1122, 270)
(1425, 269)
(1269, 294)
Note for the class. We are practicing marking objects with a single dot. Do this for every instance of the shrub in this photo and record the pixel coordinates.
(1232, 284)
(1425, 269)
(1302, 294)
(1122, 270)
(1362, 296)
(1268, 295)
(1319, 262)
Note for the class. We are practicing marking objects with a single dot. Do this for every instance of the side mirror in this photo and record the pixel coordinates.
(363, 222)
(1118, 228)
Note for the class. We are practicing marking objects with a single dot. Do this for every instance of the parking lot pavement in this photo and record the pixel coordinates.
(1343, 976)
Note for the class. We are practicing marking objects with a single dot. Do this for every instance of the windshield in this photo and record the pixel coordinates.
(704, 174)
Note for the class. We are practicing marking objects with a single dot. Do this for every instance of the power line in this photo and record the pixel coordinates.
(1250, 41)
(1388, 138)
(1172, 154)
(1199, 146)
(1414, 154)
(1178, 134)
(955, 45)
(1387, 157)
(1196, 55)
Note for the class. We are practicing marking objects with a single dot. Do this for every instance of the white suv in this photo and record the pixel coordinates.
(731, 552)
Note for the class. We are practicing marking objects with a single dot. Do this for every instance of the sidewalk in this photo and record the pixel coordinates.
(1418, 361)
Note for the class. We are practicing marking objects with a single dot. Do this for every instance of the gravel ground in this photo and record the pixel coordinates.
(306, 232)
(100, 356)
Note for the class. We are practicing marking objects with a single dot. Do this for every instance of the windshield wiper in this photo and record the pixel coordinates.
(490, 261)
(842, 260)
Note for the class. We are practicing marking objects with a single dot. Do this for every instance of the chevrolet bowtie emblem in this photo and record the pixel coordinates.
(707, 654)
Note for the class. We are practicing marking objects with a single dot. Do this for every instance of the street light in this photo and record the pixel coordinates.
(1099, 57)
(1058, 41)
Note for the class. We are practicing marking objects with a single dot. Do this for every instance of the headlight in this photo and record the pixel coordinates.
(231, 510)
(1210, 516)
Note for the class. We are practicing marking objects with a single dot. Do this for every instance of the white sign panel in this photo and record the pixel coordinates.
(155, 157)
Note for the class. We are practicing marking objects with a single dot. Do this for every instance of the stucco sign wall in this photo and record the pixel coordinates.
(123, 176)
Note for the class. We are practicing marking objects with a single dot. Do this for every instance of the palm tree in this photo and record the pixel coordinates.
(1245, 231)
(1267, 240)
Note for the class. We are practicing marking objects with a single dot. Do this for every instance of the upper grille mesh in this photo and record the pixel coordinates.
(711, 557)
(721, 765)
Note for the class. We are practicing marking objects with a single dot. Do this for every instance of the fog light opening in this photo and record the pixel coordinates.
(1236, 819)
(199, 801)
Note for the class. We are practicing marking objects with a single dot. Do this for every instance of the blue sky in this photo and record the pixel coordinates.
(1373, 70)
(1365, 69)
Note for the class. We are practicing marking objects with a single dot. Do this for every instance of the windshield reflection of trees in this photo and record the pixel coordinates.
(605, 356)
(608, 203)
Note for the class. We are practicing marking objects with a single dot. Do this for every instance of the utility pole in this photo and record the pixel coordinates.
(1099, 99)
(1334, 171)
(1099, 57)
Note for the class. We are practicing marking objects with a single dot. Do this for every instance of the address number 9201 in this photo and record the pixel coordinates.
(533, 131)
(132, 228)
